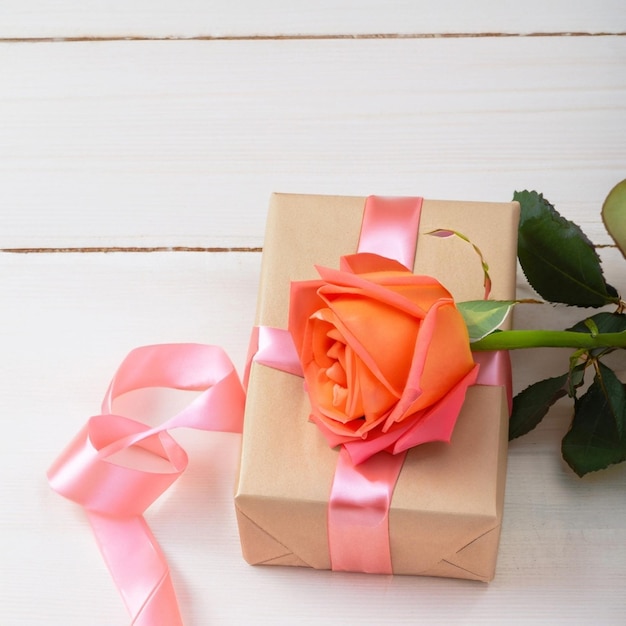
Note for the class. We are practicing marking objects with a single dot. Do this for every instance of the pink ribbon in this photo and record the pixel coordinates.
(360, 497)
(104, 470)
(390, 228)
(495, 370)
(358, 512)
(273, 347)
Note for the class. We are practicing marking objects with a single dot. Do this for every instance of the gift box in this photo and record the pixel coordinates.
(446, 511)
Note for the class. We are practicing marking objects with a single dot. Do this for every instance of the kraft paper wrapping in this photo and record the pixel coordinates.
(446, 510)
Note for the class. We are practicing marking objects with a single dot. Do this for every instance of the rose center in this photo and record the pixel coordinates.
(337, 371)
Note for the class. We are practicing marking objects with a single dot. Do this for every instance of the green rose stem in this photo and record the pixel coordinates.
(517, 339)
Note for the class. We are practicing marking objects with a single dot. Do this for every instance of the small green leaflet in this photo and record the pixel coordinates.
(484, 316)
(531, 405)
(614, 215)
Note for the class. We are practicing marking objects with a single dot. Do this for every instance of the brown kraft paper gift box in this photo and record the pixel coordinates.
(446, 511)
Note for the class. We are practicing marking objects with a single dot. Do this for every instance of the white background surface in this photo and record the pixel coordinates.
(139, 143)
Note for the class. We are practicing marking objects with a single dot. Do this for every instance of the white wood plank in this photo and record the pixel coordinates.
(67, 323)
(67, 320)
(237, 18)
(181, 143)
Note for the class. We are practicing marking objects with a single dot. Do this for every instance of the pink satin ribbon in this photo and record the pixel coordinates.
(358, 512)
(495, 370)
(390, 228)
(104, 470)
(272, 347)
(360, 497)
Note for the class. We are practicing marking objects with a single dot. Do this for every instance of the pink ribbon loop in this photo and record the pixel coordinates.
(116, 467)
(272, 347)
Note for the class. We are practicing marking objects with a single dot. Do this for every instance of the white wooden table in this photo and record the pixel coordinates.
(139, 143)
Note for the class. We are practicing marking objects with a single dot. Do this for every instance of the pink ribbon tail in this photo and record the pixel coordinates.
(116, 467)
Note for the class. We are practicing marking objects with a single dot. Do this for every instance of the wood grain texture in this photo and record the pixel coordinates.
(181, 143)
(244, 18)
(71, 319)
(169, 145)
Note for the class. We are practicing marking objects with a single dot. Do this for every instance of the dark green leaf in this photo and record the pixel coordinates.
(605, 323)
(613, 391)
(531, 405)
(558, 259)
(594, 440)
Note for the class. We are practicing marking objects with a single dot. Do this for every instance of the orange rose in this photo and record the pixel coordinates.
(385, 355)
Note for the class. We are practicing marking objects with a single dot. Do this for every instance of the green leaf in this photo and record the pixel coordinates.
(613, 391)
(595, 439)
(531, 405)
(484, 316)
(604, 322)
(558, 259)
(614, 215)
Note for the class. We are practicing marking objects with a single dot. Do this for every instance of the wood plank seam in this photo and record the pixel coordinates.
(95, 249)
(105, 38)
(126, 249)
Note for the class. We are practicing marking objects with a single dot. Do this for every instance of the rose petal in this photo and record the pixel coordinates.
(362, 449)
(303, 302)
(318, 342)
(367, 262)
(340, 395)
(385, 347)
(343, 283)
(337, 374)
(442, 358)
(376, 399)
(438, 421)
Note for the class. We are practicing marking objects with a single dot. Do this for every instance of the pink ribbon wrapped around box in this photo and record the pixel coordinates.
(445, 512)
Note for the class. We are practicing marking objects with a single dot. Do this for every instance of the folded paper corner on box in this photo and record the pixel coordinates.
(476, 560)
(260, 547)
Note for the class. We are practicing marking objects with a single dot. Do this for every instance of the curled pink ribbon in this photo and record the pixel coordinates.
(115, 490)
